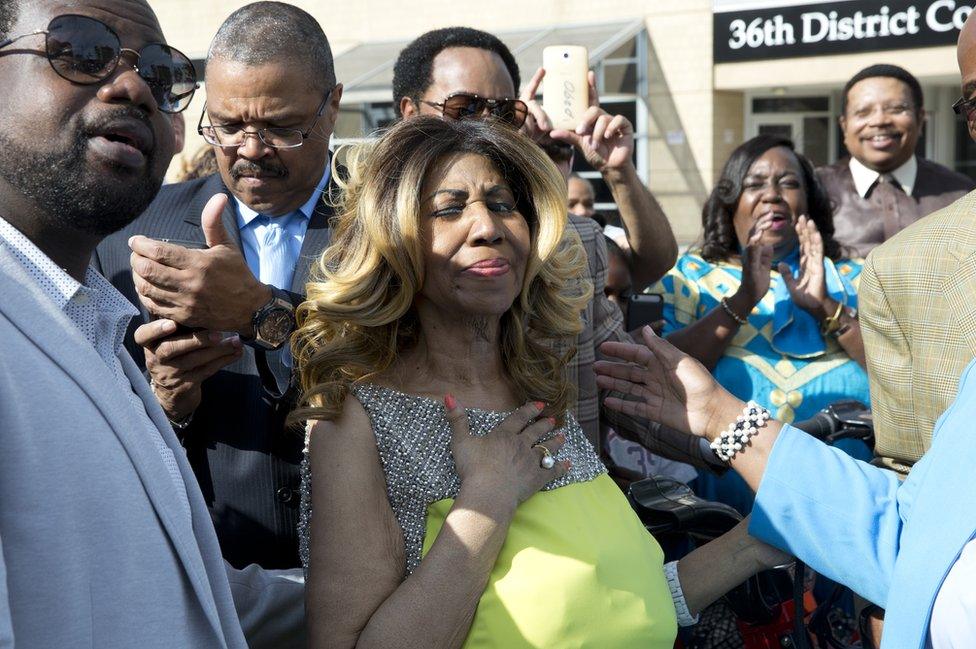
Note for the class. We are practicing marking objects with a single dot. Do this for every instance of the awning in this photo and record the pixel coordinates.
(366, 70)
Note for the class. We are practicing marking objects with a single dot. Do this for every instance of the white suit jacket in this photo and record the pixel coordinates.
(95, 547)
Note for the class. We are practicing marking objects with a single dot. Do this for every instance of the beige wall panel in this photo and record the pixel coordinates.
(684, 213)
(195, 21)
(728, 121)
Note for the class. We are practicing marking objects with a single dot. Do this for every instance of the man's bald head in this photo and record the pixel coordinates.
(966, 56)
(275, 32)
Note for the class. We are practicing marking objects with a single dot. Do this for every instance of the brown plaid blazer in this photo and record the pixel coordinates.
(603, 321)
(918, 319)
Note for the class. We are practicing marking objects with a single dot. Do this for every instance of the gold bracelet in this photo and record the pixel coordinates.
(831, 324)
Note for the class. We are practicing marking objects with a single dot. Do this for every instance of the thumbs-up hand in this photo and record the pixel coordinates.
(211, 223)
(211, 288)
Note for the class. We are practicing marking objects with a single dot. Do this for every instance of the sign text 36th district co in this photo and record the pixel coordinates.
(836, 27)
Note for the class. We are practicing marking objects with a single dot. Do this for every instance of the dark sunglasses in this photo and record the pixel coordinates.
(558, 152)
(86, 51)
(465, 105)
(966, 108)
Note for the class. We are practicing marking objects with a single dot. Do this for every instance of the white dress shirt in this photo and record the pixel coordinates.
(864, 178)
(953, 624)
(102, 315)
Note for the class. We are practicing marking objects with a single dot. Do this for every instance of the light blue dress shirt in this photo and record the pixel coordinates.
(272, 245)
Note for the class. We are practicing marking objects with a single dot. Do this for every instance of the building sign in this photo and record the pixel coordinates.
(835, 28)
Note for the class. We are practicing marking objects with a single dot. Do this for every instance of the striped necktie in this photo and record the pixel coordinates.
(276, 263)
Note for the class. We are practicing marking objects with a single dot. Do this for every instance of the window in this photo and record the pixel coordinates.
(806, 120)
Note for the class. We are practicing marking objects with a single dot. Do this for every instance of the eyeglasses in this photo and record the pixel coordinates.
(558, 152)
(465, 105)
(86, 51)
(889, 110)
(966, 108)
(234, 135)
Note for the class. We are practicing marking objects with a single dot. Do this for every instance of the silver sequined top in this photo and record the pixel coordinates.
(413, 437)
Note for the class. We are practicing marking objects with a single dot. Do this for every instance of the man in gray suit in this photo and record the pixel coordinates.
(106, 540)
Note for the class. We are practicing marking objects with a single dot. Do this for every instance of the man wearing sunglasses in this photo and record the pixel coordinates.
(105, 539)
(454, 72)
(460, 73)
(272, 101)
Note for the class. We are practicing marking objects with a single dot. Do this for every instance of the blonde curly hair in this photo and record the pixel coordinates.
(359, 310)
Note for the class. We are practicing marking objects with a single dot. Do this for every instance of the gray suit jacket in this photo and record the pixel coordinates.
(96, 551)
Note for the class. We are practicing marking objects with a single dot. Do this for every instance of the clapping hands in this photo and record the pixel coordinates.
(809, 289)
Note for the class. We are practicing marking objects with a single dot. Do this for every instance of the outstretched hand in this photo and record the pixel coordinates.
(671, 387)
(537, 124)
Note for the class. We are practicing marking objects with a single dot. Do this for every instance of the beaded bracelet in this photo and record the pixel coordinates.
(731, 312)
(733, 440)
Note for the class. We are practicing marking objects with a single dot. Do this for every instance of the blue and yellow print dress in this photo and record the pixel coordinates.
(779, 358)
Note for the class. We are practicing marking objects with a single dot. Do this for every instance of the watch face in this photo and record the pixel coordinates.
(276, 326)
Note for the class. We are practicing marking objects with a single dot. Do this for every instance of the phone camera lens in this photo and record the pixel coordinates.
(565, 55)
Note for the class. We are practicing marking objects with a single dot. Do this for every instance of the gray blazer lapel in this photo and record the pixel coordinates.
(204, 539)
(316, 240)
(41, 321)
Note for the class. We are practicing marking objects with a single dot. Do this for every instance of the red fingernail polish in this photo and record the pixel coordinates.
(450, 402)
(540, 406)
(551, 420)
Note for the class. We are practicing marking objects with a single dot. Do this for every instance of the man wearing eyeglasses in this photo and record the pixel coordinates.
(105, 539)
(883, 186)
(464, 73)
(241, 242)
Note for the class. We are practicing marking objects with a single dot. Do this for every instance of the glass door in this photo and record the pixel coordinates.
(805, 120)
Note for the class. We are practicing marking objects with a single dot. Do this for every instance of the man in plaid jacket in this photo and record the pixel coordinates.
(918, 319)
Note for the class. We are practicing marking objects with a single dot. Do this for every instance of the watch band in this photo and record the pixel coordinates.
(279, 302)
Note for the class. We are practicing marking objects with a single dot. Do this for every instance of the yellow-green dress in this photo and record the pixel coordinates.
(577, 568)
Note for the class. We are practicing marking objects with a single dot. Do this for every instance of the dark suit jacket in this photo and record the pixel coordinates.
(246, 462)
(863, 223)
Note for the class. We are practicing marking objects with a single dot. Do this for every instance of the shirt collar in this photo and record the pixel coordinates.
(245, 214)
(864, 178)
(62, 288)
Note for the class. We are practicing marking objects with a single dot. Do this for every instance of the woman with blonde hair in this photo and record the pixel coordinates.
(449, 496)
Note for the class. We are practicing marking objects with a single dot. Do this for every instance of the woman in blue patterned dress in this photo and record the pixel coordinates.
(768, 302)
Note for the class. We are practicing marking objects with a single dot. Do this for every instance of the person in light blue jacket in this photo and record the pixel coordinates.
(907, 546)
